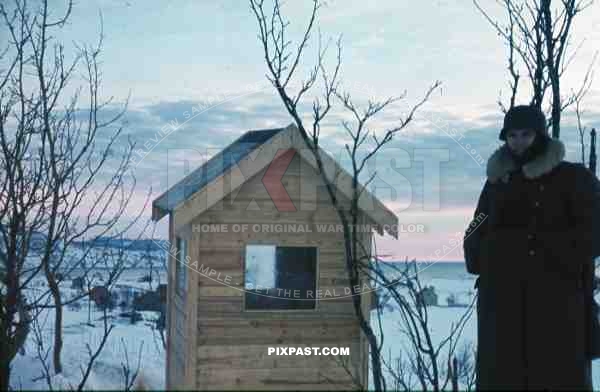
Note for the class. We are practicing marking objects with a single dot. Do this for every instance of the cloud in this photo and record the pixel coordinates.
(374, 39)
(460, 142)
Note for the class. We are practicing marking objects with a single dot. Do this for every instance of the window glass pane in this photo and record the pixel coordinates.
(296, 273)
(260, 266)
(280, 277)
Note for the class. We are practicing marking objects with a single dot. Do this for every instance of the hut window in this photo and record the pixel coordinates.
(280, 277)
(180, 269)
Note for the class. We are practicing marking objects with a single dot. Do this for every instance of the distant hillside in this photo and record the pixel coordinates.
(125, 243)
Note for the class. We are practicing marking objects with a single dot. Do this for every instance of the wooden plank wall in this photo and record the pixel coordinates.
(177, 322)
(230, 344)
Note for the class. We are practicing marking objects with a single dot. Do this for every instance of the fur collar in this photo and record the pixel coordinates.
(501, 163)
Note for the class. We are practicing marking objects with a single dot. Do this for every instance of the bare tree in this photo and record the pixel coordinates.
(130, 375)
(593, 157)
(429, 365)
(114, 262)
(149, 259)
(362, 146)
(55, 152)
(579, 96)
(93, 355)
(539, 40)
(38, 324)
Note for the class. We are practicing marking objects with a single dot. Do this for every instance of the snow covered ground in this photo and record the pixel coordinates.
(107, 372)
(140, 340)
(442, 318)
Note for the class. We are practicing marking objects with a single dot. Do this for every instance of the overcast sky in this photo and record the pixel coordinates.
(171, 56)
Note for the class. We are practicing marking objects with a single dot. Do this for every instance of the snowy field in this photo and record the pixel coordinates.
(442, 317)
(141, 339)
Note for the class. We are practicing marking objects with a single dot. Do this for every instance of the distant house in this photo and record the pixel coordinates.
(149, 300)
(219, 330)
(100, 295)
(78, 283)
(162, 292)
(127, 294)
(427, 296)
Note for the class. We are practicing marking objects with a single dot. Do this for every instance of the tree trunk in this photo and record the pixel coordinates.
(55, 292)
(593, 151)
(4, 371)
(89, 308)
(57, 339)
(58, 313)
(7, 353)
(556, 109)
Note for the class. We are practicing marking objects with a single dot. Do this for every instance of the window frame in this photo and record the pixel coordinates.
(275, 244)
(180, 269)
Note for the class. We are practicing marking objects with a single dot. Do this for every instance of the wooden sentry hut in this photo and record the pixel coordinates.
(223, 221)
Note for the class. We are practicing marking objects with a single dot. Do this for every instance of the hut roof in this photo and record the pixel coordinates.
(240, 151)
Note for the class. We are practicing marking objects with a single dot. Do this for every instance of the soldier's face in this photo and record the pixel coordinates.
(519, 139)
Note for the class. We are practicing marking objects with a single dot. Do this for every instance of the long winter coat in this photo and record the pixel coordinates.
(530, 242)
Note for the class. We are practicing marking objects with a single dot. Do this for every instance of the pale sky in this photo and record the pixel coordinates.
(174, 55)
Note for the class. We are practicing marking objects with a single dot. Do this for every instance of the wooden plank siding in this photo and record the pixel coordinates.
(226, 345)
(178, 329)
